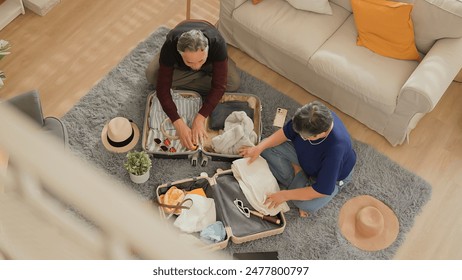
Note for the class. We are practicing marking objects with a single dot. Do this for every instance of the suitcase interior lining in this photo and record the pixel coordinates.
(225, 192)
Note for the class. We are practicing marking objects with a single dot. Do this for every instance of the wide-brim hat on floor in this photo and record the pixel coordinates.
(368, 223)
(120, 135)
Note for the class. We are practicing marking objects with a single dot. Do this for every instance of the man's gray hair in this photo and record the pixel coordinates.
(312, 119)
(193, 40)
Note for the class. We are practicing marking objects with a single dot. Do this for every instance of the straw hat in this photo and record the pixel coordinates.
(368, 223)
(120, 135)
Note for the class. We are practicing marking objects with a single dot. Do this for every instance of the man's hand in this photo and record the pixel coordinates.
(184, 132)
(250, 152)
(198, 130)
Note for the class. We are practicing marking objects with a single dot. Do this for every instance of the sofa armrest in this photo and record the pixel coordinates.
(226, 22)
(29, 104)
(432, 77)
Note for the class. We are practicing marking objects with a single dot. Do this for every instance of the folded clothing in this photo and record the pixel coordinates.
(256, 181)
(215, 232)
(187, 107)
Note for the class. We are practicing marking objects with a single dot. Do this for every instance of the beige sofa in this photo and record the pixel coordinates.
(319, 53)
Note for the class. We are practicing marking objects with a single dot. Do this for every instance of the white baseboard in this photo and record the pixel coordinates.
(40, 7)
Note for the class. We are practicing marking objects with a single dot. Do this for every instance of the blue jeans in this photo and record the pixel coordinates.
(280, 160)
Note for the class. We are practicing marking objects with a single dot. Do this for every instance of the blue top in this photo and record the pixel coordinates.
(330, 161)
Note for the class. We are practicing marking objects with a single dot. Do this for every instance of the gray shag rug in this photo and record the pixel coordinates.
(124, 91)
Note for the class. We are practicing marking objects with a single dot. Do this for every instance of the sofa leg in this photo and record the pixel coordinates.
(188, 9)
(458, 78)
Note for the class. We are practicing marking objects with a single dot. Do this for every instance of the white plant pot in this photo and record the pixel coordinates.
(139, 179)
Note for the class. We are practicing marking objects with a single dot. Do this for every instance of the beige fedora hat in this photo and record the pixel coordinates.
(120, 135)
(368, 223)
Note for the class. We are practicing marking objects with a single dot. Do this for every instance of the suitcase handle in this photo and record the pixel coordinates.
(179, 205)
(268, 218)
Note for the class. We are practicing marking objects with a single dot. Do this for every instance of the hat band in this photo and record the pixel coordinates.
(121, 143)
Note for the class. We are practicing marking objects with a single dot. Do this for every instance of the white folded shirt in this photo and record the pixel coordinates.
(256, 181)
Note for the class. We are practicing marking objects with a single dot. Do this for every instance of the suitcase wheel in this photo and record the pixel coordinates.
(194, 159)
(204, 160)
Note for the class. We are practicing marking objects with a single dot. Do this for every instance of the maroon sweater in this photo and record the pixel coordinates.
(170, 58)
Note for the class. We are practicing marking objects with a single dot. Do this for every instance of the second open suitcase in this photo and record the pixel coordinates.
(229, 201)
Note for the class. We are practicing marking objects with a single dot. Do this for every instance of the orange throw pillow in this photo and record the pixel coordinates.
(385, 27)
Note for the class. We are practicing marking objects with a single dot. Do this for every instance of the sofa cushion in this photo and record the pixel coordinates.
(372, 77)
(316, 6)
(436, 19)
(385, 27)
(346, 4)
(297, 33)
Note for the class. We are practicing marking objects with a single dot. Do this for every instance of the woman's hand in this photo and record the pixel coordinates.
(250, 152)
(273, 200)
(253, 153)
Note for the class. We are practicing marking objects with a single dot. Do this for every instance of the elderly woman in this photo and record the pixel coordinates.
(316, 162)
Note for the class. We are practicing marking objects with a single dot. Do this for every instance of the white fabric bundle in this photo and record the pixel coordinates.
(237, 132)
(201, 214)
(256, 181)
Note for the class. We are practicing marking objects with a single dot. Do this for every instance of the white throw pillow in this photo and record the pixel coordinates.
(316, 6)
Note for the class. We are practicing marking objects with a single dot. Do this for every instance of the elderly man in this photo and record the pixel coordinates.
(193, 57)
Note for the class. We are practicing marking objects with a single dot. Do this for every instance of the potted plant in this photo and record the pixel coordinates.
(4, 47)
(138, 165)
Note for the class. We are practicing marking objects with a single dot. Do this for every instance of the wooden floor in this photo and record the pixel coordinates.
(65, 53)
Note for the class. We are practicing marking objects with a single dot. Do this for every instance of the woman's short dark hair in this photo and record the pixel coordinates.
(312, 119)
(193, 40)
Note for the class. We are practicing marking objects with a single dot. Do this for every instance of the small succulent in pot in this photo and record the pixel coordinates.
(137, 163)
(4, 51)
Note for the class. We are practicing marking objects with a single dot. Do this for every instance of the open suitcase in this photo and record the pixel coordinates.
(159, 137)
(224, 188)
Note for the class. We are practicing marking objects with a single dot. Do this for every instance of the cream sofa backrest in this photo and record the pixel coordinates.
(434, 20)
(237, 3)
(343, 3)
(347, 3)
